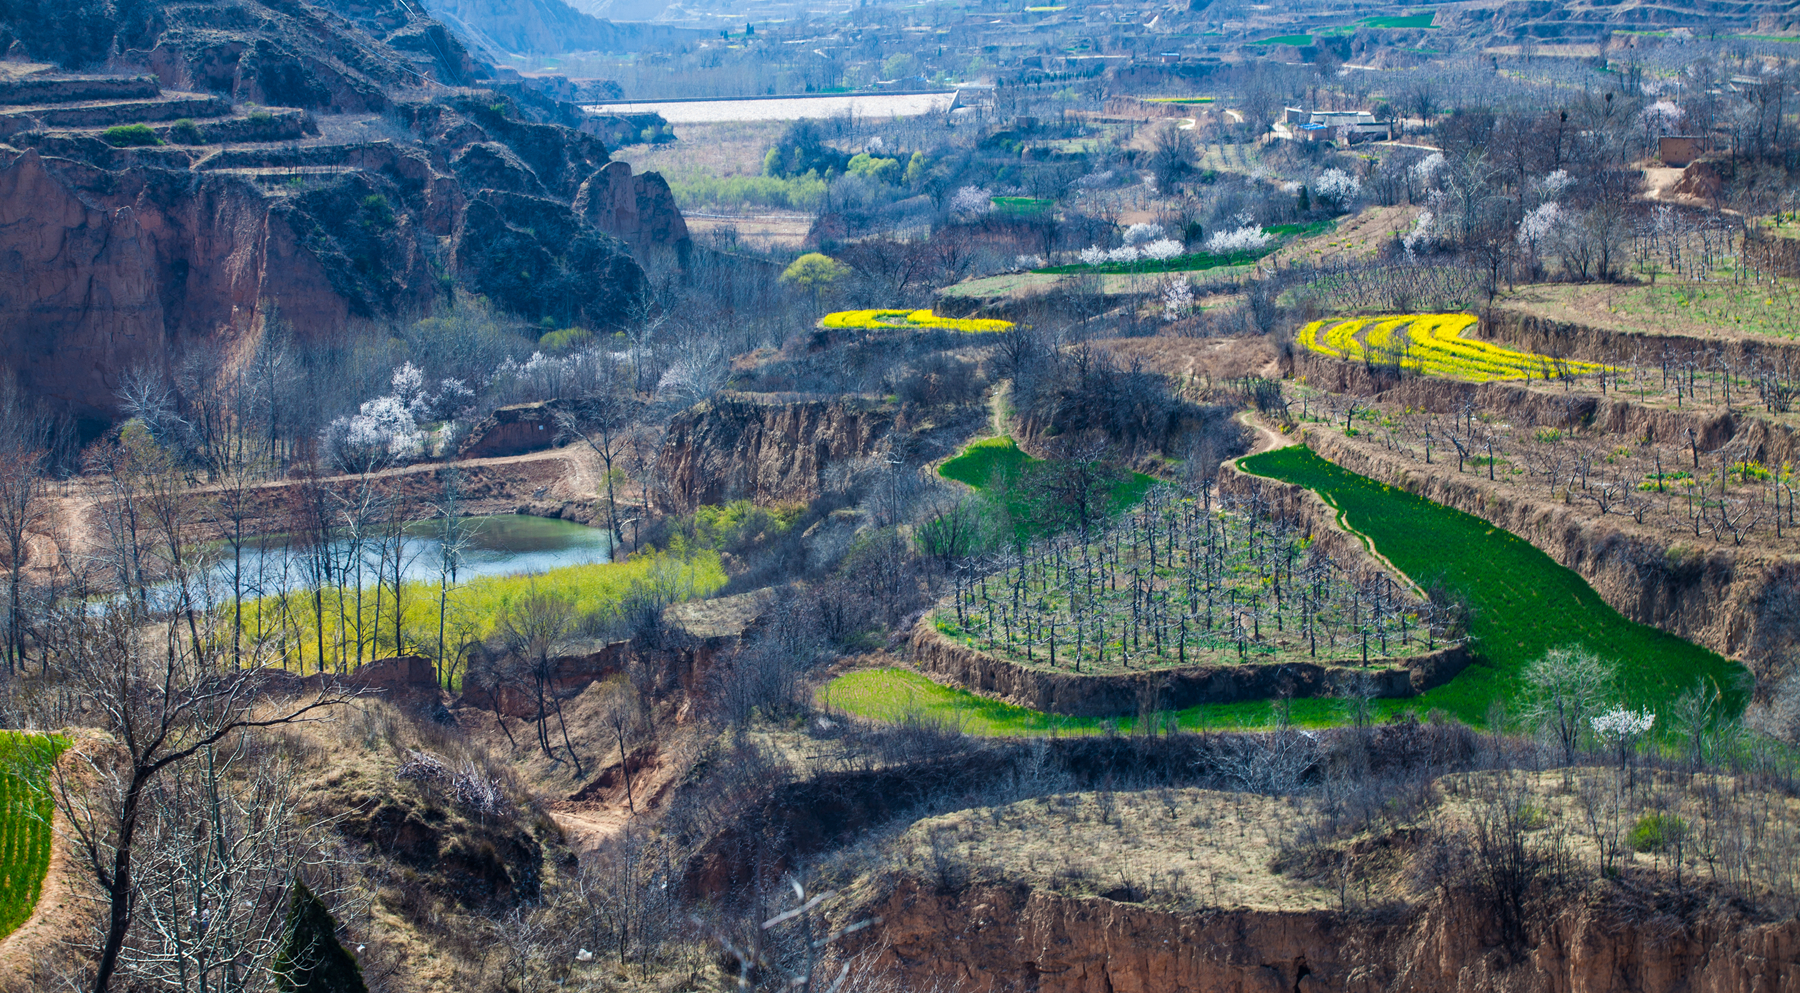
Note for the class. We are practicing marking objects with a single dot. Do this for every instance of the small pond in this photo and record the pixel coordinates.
(498, 545)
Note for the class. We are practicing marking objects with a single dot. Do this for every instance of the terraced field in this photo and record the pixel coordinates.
(25, 811)
(1433, 344)
(881, 319)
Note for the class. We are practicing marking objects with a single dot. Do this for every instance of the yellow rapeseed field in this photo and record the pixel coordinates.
(909, 319)
(1433, 344)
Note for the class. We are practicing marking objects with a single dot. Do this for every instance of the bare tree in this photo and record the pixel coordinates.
(22, 512)
(535, 631)
(166, 686)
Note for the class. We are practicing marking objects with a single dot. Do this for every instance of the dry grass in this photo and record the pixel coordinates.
(733, 148)
(1723, 310)
(757, 232)
(1181, 848)
(1191, 360)
(1354, 239)
(1194, 849)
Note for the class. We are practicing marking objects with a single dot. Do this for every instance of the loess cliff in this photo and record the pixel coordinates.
(306, 166)
(1203, 891)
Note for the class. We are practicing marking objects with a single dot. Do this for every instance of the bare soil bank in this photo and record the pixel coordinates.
(942, 659)
(999, 937)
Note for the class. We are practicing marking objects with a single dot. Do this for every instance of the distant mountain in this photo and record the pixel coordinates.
(498, 28)
(623, 10)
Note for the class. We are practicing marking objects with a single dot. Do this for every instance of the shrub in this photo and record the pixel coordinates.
(1248, 238)
(565, 339)
(1653, 832)
(130, 136)
(186, 132)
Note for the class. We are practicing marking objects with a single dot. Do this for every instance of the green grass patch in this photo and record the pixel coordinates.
(1296, 40)
(1399, 21)
(26, 807)
(1023, 205)
(1521, 602)
(291, 623)
(900, 694)
(1181, 100)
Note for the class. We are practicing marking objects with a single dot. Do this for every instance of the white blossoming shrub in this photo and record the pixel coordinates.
(1420, 235)
(1428, 166)
(1093, 255)
(971, 201)
(1142, 234)
(1162, 249)
(1555, 184)
(1245, 239)
(1539, 224)
(1025, 263)
(1337, 188)
(1623, 724)
(1177, 298)
(1124, 253)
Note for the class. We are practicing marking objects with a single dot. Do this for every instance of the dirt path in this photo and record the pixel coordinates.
(1269, 439)
(587, 830)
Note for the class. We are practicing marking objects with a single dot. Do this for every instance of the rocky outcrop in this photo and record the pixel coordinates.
(115, 271)
(514, 430)
(992, 938)
(945, 661)
(746, 446)
(639, 209)
(571, 674)
(128, 258)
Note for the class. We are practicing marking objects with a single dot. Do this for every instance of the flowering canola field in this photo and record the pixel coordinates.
(909, 319)
(1433, 344)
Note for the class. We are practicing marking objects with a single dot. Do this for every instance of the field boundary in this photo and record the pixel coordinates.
(64, 911)
(1071, 694)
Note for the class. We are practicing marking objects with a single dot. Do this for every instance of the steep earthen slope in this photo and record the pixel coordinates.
(763, 448)
(129, 257)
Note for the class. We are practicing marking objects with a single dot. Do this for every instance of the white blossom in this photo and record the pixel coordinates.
(1244, 239)
(1420, 235)
(1553, 185)
(1124, 253)
(1162, 249)
(1337, 187)
(1142, 234)
(1178, 298)
(1024, 263)
(1622, 724)
(1539, 224)
(1093, 255)
(972, 201)
(1428, 166)
(1660, 117)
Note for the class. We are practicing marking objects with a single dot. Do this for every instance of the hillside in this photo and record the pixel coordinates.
(229, 170)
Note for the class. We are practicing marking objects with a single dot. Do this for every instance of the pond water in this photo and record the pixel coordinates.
(498, 545)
